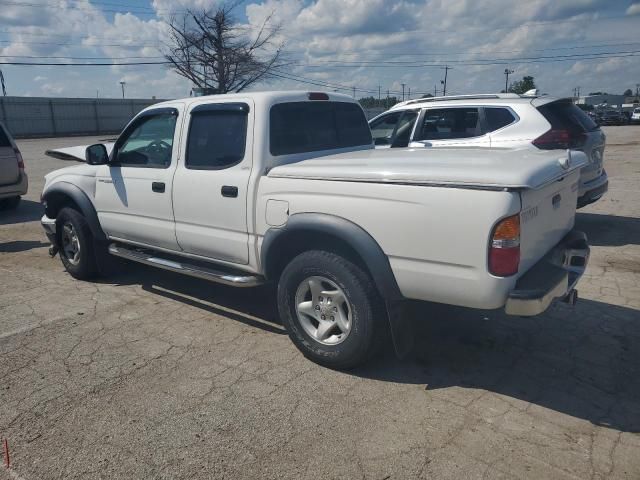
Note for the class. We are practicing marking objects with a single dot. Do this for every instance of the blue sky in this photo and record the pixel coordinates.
(593, 44)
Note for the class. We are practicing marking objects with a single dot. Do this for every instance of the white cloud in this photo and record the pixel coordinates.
(319, 33)
(634, 9)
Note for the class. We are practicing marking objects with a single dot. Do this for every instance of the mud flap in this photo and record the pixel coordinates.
(402, 329)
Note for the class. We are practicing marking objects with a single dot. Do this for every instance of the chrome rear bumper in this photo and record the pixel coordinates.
(554, 277)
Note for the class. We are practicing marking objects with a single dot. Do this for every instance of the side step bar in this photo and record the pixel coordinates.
(190, 269)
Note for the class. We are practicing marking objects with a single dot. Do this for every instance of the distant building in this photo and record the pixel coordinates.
(612, 100)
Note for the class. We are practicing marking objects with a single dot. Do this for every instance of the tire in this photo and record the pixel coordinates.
(10, 203)
(73, 232)
(360, 320)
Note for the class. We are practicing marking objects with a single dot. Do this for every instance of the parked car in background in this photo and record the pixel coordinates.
(611, 117)
(279, 187)
(635, 116)
(498, 120)
(13, 179)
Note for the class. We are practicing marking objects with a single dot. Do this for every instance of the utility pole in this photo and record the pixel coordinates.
(379, 87)
(123, 84)
(403, 91)
(4, 90)
(446, 69)
(507, 72)
(409, 93)
(637, 90)
(354, 92)
(435, 90)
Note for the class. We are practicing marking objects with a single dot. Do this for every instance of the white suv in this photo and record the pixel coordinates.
(498, 120)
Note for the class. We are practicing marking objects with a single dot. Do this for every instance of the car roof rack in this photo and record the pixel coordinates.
(479, 96)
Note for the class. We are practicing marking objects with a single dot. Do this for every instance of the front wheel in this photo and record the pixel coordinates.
(331, 309)
(77, 250)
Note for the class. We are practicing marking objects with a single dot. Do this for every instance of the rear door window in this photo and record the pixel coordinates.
(565, 115)
(449, 124)
(497, 118)
(301, 127)
(216, 139)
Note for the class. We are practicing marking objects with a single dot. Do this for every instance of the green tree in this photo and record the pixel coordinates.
(522, 86)
(372, 102)
(628, 92)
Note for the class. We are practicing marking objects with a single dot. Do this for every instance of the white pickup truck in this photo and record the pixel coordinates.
(278, 187)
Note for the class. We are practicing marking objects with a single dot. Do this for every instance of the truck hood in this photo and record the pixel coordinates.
(74, 153)
(464, 167)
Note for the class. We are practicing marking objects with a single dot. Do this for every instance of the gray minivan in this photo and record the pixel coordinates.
(13, 179)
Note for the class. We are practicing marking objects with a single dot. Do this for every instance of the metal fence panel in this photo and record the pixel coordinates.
(54, 117)
(51, 117)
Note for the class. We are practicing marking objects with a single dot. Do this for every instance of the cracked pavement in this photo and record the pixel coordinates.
(146, 374)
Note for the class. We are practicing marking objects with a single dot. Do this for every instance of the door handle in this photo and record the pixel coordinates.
(229, 191)
(158, 187)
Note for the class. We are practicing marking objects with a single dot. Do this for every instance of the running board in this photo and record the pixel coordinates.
(190, 269)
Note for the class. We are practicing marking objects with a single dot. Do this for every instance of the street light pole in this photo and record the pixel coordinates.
(122, 84)
(403, 91)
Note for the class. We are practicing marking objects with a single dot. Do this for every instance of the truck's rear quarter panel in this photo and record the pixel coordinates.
(436, 238)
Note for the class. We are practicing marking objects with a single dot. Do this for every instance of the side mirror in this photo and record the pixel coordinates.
(96, 154)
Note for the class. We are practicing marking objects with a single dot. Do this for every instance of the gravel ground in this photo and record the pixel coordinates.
(146, 374)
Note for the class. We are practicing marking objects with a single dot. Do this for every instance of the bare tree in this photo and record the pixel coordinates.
(213, 51)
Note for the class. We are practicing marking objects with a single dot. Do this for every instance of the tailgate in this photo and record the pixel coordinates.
(9, 172)
(548, 214)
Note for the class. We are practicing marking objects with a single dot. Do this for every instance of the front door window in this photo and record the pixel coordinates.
(149, 143)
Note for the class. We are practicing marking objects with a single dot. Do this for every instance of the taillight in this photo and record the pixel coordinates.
(553, 140)
(504, 249)
(19, 157)
(556, 139)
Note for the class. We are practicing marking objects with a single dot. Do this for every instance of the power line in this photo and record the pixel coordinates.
(76, 64)
(467, 53)
(486, 62)
(79, 58)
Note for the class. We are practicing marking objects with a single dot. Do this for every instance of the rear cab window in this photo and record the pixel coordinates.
(302, 127)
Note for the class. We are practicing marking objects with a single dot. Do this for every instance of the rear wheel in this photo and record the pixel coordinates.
(77, 250)
(331, 309)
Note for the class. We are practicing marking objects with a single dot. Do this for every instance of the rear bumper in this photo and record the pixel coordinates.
(554, 276)
(593, 190)
(15, 189)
